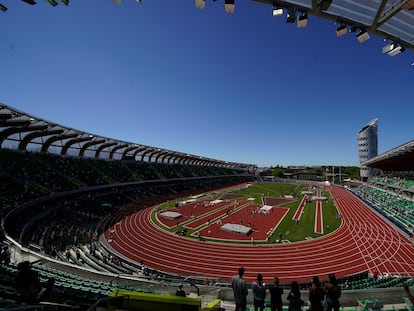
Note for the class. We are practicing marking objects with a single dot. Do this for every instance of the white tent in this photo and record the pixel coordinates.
(170, 215)
(265, 209)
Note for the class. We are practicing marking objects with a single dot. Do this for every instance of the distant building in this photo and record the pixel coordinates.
(368, 148)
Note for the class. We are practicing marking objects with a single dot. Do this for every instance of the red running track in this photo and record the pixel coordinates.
(357, 246)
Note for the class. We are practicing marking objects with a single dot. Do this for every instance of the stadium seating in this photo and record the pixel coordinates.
(54, 211)
(392, 198)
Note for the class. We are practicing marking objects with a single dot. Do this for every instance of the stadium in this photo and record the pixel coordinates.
(119, 247)
(121, 225)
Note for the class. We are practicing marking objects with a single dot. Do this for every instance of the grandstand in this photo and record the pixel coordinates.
(400, 158)
(392, 191)
(61, 188)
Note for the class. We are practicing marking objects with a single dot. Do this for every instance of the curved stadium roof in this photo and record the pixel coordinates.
(24, 132)
(392, 20)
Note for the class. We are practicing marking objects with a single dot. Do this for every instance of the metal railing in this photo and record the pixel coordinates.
(118, 299)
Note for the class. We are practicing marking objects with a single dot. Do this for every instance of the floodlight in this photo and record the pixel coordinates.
(65, 2)
(3, 8)
(200, 4)
(229, 6)
(291, 16)
(323, 5)
(387, 48)
(363, 36)
(395, 51)
(302, 20)
(52, 2)
(341, 30)
(277, 11)
(31, 2)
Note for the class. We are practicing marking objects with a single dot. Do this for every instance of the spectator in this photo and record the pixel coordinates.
(78, 254)
(259, 293)
(316, 295)
(375, 273)
(5, 255)
(276, 293)
(27, 283)
(67, 254)
(240, 290)
(180, 291)
(50, 292)
(295, 302)
(333, 293)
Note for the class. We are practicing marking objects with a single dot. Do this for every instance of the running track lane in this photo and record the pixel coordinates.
(299, 210)
(358, 246)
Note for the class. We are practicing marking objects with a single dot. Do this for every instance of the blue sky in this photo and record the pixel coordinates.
(243, 87)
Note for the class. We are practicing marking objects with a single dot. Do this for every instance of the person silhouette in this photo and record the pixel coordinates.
(239, 290)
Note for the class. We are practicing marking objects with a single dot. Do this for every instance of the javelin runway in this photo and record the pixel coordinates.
(363, 241)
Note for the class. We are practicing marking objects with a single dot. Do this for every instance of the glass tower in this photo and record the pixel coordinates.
(368, 148)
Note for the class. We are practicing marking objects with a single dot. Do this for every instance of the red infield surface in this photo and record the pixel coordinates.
(364, 241)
